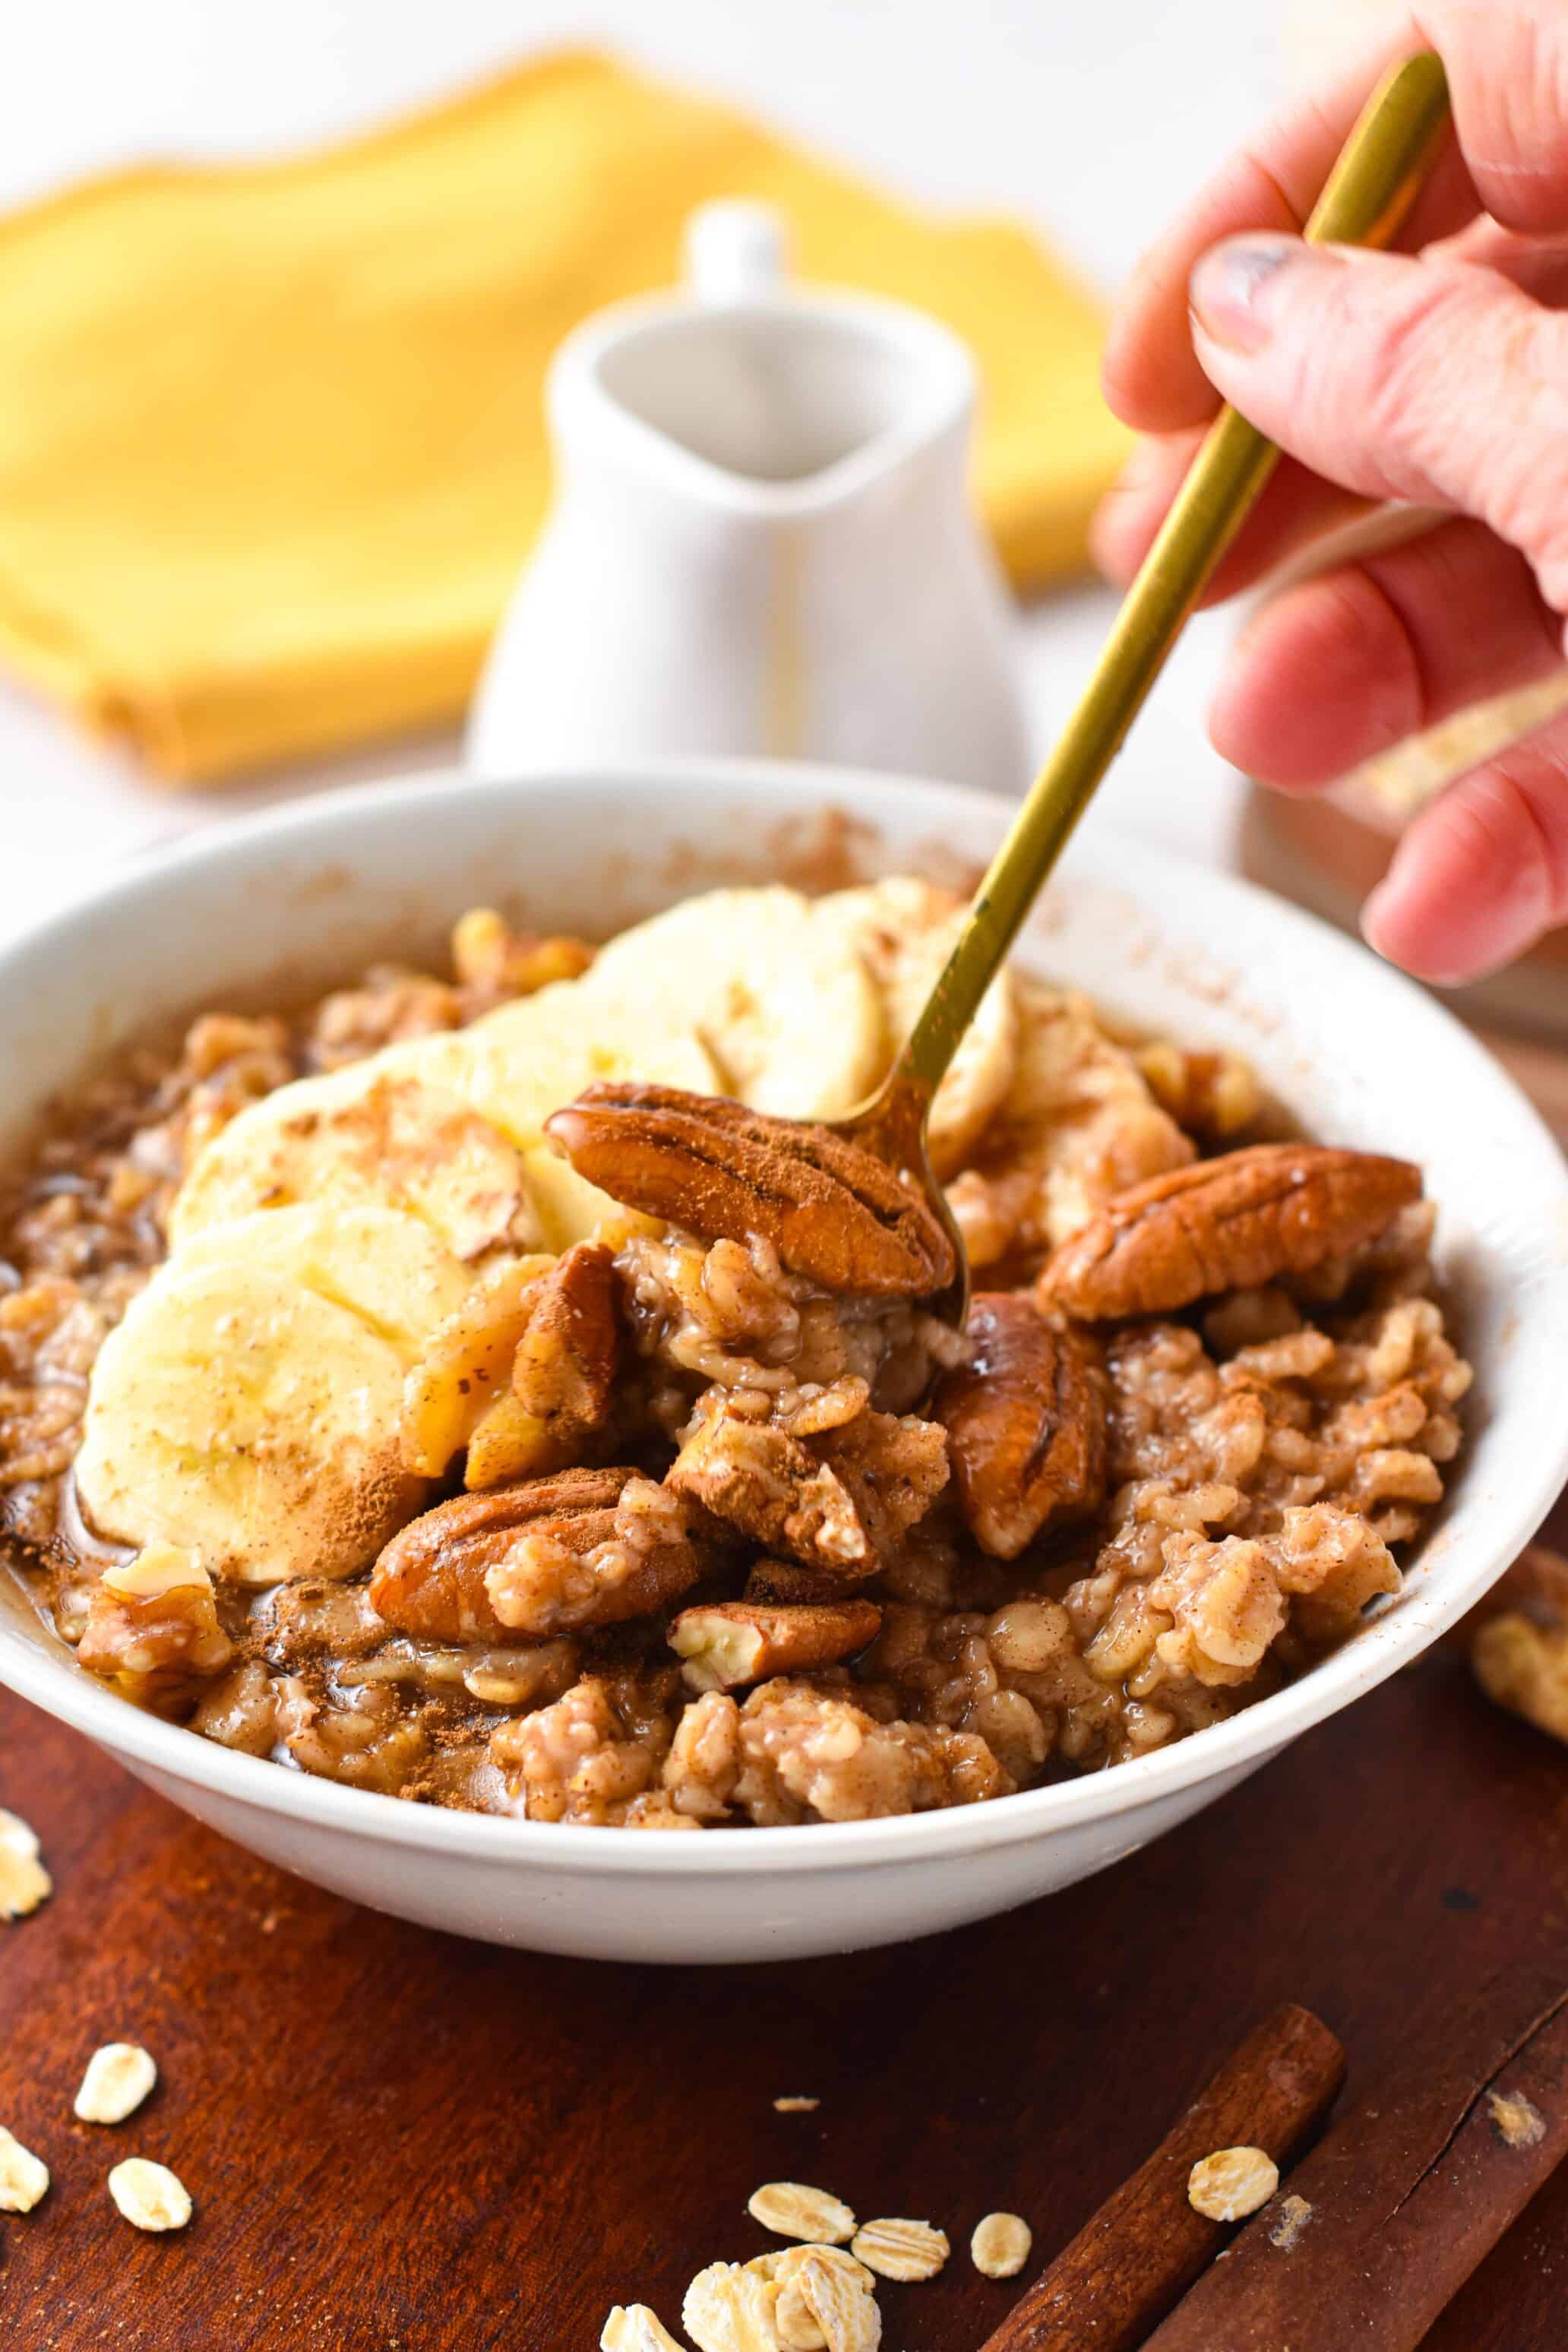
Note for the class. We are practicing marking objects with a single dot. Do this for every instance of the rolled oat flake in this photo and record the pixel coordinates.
(1232, 2183)
(24, 2178)
(790, 2209)
(148, 2195)
(1000, 2245)
(23, 1881)
(117, 2078)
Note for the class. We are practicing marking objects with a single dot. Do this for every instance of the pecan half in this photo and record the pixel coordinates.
(1230, 1224)
(566, 1363)
(431, 1580)
(562, 1372)
(1026, 1423)
(834, 1212)
(522, 1374)
(737, 1642)
(598, 1565)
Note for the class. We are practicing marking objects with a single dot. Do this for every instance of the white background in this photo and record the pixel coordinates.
(1091, 117)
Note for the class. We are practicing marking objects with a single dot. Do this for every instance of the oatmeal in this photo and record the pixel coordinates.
(501, 1392)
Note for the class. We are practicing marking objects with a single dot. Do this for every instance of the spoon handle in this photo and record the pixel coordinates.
(1373, 186)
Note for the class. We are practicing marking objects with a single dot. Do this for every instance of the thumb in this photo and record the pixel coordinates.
(1428, 380)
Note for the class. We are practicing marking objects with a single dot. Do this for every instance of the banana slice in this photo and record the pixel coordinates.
(777, 992)
(528, 1059)
(1080, 1120)
(247, 1406)
(903, 931)
(385, 1266)
(395, 1137)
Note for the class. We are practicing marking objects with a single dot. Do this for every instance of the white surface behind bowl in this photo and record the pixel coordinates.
(1361, 1056)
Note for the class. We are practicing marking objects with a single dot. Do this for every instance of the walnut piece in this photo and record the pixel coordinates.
(1230, 1224)
(148, 2195)
(152, 1626)
(832, 1210)
(23, 1881)
(790, 2209)
(836, 1501)
(1000, 2245)
(1026, 1423)
(1232, 2183)
(117, 2078)
(731, 1644)
(901, 2250)
(772, 1487)
(24, 2178)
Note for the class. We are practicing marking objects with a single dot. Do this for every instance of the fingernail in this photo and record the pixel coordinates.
(1230, 288)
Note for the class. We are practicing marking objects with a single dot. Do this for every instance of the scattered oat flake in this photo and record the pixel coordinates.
(633, 2327)
(793, 2107)
(23, 1881)
(842, 2303)
(150, 2195)
(901, 2250)
(1232, 2183)
(792, 2210)
(1516, 2121)
(731, 2309)
(24, 2176)
(1292, 2217)
(795, 2323)
(117, 2078)
(1000, 2245)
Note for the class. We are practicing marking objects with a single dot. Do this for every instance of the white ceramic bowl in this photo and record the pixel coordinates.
(1360, 1055)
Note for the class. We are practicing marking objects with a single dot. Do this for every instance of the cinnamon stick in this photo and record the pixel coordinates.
(1374, 2234)
(1145, 2247)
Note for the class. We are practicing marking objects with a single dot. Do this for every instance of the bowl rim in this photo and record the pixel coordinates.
(168, 1750)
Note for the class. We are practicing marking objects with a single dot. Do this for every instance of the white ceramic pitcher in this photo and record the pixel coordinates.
(761, 541)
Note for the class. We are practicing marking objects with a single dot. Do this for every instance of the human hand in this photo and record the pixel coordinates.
(1439, 376)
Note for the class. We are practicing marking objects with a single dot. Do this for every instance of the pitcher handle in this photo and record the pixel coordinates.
(736, 251)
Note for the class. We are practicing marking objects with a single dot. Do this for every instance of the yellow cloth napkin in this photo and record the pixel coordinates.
(271, 442)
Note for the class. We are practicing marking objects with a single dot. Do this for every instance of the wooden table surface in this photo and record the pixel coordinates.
(399, 2142)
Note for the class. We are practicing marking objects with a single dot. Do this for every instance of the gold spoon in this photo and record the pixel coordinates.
(1374, 185)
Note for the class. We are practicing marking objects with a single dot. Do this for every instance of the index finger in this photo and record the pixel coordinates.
(1150, 372)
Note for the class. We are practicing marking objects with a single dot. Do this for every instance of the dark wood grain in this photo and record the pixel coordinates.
(399, 2142)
